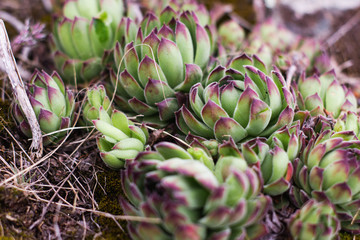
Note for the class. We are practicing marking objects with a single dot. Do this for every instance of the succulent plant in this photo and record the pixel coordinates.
(348, 121)
(231, 35)
(87, 29)
(240, 102)
(274, 43)
(322, 63)
(329, 169)
(305, 55)
(221, 41)
(274, 34)
(121, 139)
(275, 165)
(315, 220)
(313, 126)
(193, 199)
(324, 95)
(289, 138)
(52, 103)
(30, 35)
(210, 146)
(199, 9)
(182, 27)
(262, 50)
(96, 97)
(268, 39)
(155, 75)
(275, 155)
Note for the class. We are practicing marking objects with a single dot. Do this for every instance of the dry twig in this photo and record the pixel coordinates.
(343, 30)
(19, 89)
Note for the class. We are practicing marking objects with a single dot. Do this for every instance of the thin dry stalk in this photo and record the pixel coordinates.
(16, 23)
(85, 227)
(241, 21)
(121, 61)
(2, 233)
(19, 89)
(47, 156)
(343, 30)
(56, 222)
(109, 215)
(17, 175)
(66, 178)
(169, 134)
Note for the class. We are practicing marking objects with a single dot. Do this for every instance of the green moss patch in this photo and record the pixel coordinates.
(109, 202)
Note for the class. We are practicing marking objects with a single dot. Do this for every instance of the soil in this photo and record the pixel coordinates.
(72, 194)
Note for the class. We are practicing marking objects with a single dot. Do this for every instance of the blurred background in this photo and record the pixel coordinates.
(336, 23)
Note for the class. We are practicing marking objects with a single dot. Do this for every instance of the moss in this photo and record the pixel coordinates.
(6, 238)
(109, 202)
(348, 236)
(5, 119)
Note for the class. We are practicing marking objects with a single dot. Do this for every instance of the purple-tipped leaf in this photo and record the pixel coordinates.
(212, 112)
(141, 107)
(227, 127)
(170, 60)
(260, 115)
(184, 42)
(131, 86)
(149, 69)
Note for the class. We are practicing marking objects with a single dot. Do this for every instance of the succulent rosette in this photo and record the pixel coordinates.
(289, 138)
(155, 75)
(275, 156)
(313, 126)
(274, 34)
(231, 35)
(269, 39)
(274, 43)
(261, 50)
(329, 169)
(95, 98)
(211, 146)
(182, 27)
(324, 95)
(275, 165)
(199, 9)
(239, 102)
(192, 198)
(305, 55)
(83, 35)
(315, 220)
(121, 139)
(225, 37)
(348, 121)
(53, 105)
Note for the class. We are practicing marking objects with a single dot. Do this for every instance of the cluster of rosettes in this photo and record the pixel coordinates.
(252, 134)
(193, 198)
